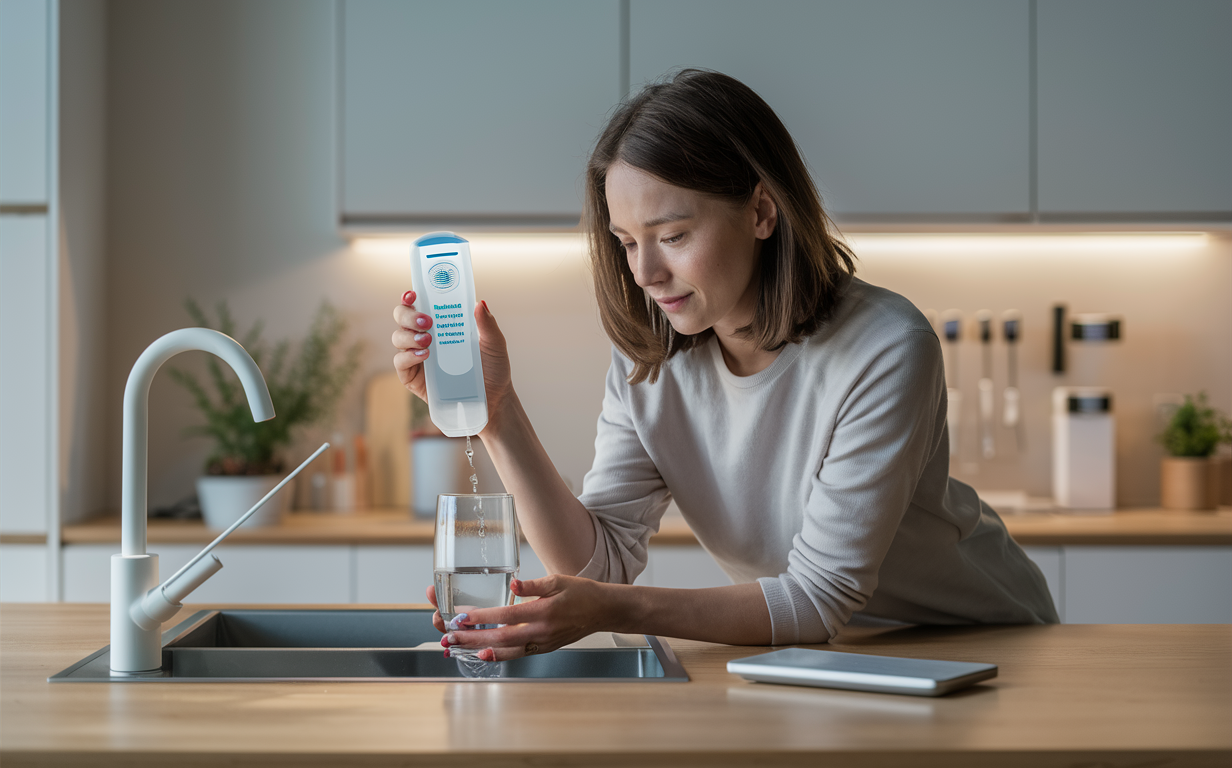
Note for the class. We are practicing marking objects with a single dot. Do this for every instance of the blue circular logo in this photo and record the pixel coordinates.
(443, 277)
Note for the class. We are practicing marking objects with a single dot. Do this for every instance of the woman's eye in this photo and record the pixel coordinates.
(628, 246)
(673, 238)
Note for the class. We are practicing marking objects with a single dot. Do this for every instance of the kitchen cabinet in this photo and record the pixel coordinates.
(29, 288)
(392, 574)
(1135, 109)
(400, 574)
(27, 354)
(27, 269)
(1050, 562)
(25, 98)
(681, 567)
(23, 573)
(902, 109)
(1148, 585)
(943, 111)
(1146, 566)
(1089, 584)
(472, 112)
(251, 574)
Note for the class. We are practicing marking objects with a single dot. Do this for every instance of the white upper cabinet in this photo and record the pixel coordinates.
(903, 109)
(1135, 108)
(24, 88)
(478, 111)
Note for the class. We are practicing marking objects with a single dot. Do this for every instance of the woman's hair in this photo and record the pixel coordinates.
(711, 133)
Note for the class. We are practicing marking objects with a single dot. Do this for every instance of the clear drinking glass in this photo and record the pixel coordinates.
(475, 553)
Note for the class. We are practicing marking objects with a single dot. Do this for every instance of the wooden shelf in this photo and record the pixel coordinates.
(394, 526)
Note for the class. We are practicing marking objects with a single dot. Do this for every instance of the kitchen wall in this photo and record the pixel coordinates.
(1176, 301)
(221, 184)
(84, 404)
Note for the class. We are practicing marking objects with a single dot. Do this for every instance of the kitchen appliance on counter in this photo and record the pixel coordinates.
(1083, 422)
(1083, 448)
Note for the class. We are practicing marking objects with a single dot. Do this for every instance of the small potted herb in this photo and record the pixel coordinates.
(1188, 477)
(304, 388)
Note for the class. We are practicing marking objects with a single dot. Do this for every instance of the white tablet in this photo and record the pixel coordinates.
(861, 672)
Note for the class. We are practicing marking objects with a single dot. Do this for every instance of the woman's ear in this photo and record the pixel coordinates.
(765, 211)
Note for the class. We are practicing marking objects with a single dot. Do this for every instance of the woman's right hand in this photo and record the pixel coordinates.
(414, 337)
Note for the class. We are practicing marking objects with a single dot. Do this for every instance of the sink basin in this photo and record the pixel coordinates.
(365, 646)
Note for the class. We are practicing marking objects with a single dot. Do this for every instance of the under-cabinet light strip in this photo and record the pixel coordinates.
(556, 247)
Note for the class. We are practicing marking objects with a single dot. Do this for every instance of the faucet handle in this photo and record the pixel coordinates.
(163, 602)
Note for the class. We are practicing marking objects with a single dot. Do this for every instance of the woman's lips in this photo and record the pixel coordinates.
(673, 303)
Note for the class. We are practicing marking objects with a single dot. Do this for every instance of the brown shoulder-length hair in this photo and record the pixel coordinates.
(711, 133)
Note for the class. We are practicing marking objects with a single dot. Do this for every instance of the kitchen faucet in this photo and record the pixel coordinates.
(139, 605)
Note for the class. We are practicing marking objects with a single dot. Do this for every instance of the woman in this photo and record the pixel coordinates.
(795, 413)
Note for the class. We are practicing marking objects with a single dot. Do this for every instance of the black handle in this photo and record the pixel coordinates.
(1058, 338)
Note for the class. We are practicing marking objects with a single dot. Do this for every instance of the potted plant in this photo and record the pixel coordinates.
(437, 462)
(1188, 478)
(245, 463)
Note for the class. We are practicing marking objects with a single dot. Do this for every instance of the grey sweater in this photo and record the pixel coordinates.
(824, 477)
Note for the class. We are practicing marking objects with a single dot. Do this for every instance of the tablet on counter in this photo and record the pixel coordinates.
(861, 672)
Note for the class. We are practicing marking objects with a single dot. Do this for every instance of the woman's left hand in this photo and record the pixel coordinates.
(568, 609)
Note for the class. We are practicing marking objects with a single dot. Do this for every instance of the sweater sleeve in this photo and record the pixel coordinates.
(623, 491)
(890, 425)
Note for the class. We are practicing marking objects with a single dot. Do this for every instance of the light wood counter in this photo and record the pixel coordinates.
(392, 526)
(1066, 695)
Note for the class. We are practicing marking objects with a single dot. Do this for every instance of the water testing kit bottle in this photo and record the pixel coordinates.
(445, 289)
(1083, 448)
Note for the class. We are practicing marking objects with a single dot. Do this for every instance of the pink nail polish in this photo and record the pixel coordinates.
(422, 322)
(422, 338)
(420, 352)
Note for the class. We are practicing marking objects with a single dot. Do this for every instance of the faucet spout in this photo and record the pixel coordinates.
(136, 416)
(135, 620)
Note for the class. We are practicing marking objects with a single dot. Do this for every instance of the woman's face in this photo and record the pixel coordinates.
(694, 255)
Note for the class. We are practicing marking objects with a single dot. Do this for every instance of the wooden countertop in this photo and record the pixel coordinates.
(394, 526)
(1066, 695)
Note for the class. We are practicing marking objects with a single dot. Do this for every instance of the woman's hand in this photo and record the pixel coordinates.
(568, 609)
(414, 337)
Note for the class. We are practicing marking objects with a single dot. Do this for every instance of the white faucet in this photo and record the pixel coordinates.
(139, 605)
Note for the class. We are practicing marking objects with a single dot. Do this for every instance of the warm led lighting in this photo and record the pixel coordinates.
(540, 251)
(1110, 243)
(490, 251)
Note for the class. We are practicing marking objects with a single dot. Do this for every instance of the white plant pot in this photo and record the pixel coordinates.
(224, 498)
(439, 465)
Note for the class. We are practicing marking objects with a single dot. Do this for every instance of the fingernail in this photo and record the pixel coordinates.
(456, 621)
(408, 298)
(445, 641)
(420, 352)
(422, 322)
(423, 338)
(447, 653)
(485, 307)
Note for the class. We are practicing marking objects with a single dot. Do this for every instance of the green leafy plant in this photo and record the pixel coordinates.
(1195, 429)
(304, 390)
(421, 419)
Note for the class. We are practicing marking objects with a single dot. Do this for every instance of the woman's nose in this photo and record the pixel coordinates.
(647, 267)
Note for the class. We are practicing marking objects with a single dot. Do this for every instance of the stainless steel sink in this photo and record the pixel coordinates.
(364, 646)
